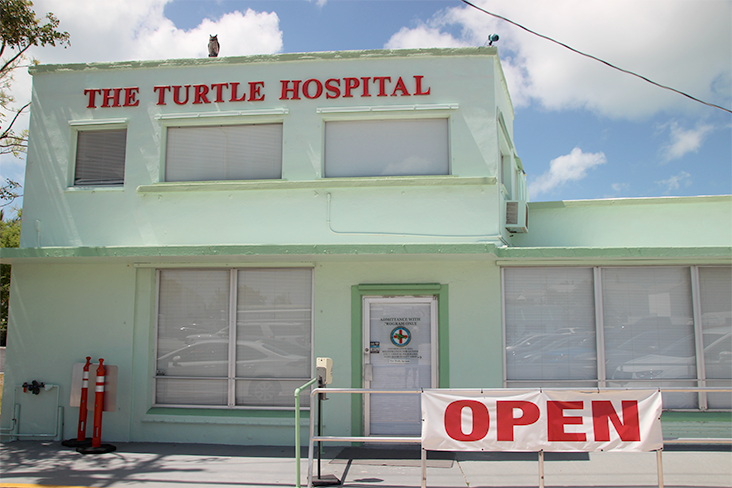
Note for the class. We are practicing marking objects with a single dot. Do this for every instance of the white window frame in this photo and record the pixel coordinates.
(695, 300)
(232, 323)
(699, 333)
(78, 126)
(507, 168)
(507, 173)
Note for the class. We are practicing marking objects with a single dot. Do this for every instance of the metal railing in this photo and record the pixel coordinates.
(298, 391)
(418, 440)
(379, 439)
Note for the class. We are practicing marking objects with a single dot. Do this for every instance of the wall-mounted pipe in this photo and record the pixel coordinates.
(14, 422)
(38, 233)
(329, 197)
(14, 430)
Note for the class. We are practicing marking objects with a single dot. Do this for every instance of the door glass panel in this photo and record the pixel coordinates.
(399, 343)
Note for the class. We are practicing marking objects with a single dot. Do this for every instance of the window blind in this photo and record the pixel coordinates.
(273, 333)
(386, 148)
(715, 285)
(550, 325)
(193, 322)
(649, 330)
(238, 152)
(197, 364)
(100, 157)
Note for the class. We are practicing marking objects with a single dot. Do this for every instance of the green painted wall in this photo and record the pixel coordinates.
(630, 222)
(109, 311)
(59, 314)
(464, 87)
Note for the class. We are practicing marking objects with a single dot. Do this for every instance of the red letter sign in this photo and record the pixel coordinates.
(453, 420)
(176, 94)
(255, 88)
(505, 419)
(602, 411)
(306, 88)
(531, 420)
(92, 93)
(131, 97)
(161, 93)
(295, 90)
(556, 421)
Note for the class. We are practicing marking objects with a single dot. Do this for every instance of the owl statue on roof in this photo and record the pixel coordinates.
(213, 46)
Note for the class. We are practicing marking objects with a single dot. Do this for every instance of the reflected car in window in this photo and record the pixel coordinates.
(678, 361)
(255, 359)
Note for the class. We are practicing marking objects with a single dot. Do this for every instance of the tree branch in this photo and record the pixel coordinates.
(9, 128)
(20, 53)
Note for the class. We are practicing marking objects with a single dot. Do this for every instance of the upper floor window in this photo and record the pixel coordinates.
(507, 175)
(228, 152)
(386, 148)
(100, 157)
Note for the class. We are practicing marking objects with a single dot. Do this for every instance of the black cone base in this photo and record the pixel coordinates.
(326, 480)
(77, 443)
(103, 449)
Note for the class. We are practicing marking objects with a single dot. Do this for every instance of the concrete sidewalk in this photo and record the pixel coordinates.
(35, 463)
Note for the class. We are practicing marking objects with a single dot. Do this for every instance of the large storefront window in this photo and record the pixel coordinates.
(649, 330)
(551, 336)
(715, 297)
(232, 337)
(644, 317)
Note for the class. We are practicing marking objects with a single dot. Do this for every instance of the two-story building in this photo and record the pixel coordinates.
(211, 226)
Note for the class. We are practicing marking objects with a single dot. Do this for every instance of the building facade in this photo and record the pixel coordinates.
(211, 226)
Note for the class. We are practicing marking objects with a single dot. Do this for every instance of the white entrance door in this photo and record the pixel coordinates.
(400, 353)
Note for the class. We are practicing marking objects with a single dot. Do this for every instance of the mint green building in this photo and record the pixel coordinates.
(211, 226)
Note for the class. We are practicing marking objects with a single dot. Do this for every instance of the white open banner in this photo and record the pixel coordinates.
(549, 420)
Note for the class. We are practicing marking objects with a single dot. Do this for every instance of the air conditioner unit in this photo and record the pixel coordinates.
(517, 216)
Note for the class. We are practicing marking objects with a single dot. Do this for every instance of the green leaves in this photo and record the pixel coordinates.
(20, 28)
(9, 237)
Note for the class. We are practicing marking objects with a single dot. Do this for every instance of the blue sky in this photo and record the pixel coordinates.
(582, 130)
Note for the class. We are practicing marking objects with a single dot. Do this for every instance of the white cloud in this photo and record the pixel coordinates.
(680, 43)
(422, 36)
(319, 3)
(684, 141)
(110, 30)
(618, 189)
(675, 182)
(571, 167)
